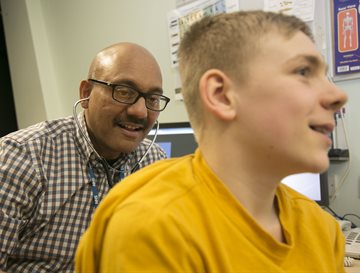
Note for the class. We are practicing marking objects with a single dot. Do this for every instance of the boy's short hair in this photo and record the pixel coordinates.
(228, 42)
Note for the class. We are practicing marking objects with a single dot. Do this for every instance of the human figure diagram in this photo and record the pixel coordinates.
(348, 26)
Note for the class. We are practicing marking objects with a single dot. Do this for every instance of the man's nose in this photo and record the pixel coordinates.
(138, 109)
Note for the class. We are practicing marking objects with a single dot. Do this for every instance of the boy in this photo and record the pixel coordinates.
(262, 108)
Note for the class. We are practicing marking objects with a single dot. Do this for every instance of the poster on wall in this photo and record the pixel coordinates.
(303, 9)
(346, 38)
(181, 18)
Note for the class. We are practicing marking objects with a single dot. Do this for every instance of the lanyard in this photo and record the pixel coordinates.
(95, 192)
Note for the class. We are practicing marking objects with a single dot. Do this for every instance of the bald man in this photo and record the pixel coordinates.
(54, 174)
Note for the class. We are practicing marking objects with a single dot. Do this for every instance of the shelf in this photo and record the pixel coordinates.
(338, 159)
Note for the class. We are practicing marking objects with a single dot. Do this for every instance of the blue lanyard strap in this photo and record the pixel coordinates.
(121, 174)
(95, 192)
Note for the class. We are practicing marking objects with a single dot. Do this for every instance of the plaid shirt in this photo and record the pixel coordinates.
(46, 200)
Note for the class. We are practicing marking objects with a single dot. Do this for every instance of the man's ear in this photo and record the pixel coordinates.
(217, 94)
(85, 91)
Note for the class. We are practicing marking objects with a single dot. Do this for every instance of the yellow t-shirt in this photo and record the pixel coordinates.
(177, 216)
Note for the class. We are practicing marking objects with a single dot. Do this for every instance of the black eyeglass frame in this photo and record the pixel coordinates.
(140, 94)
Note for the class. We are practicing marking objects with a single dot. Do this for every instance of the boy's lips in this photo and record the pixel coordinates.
(325, 128)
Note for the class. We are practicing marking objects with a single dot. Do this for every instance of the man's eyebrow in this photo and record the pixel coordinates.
(132, 84)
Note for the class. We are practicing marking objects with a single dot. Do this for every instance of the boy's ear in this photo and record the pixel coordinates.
(85, 91)
(217, 94)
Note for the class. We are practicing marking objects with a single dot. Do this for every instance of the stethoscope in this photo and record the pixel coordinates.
(103, 161)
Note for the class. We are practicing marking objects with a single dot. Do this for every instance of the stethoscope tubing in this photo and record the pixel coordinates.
(103, 160)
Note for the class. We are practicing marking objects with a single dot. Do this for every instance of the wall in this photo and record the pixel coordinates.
(348, 198)
(346, 174)
(29, 101)
(51, 43)
(8, 121)
(61, 37)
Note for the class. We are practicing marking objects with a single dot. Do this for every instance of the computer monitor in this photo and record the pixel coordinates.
(177, 139)
(312, 185)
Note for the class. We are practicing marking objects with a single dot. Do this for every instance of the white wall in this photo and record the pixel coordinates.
(51, 43)
(62, 37)
(28, 97)
(348, 199)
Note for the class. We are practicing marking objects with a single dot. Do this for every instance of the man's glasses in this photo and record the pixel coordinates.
(129, 95)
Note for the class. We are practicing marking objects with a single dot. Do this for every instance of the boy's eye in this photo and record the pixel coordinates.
(304, 71)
